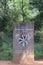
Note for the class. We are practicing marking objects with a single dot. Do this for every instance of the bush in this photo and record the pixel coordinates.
(37, 36)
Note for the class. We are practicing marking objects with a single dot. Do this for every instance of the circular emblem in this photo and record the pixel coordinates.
(23, 39)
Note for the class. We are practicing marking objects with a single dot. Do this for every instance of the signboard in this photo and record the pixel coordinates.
(23, 44)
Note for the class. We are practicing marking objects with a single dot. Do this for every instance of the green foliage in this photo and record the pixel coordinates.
(38, 4)
(6, 46)
(37, 36)
(15, 11)
(38, 50)
(6, 54)
(21, 9)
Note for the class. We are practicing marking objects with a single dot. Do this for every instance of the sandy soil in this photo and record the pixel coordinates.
(12, 63)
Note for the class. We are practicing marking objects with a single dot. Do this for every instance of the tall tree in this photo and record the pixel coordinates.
(21, 8)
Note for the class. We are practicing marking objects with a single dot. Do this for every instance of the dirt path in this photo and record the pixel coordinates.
(11, 63)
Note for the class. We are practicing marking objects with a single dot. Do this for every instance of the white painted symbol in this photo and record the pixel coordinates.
(23, 39)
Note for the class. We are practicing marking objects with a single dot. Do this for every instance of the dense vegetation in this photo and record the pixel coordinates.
(38, 4)
(20, 11)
